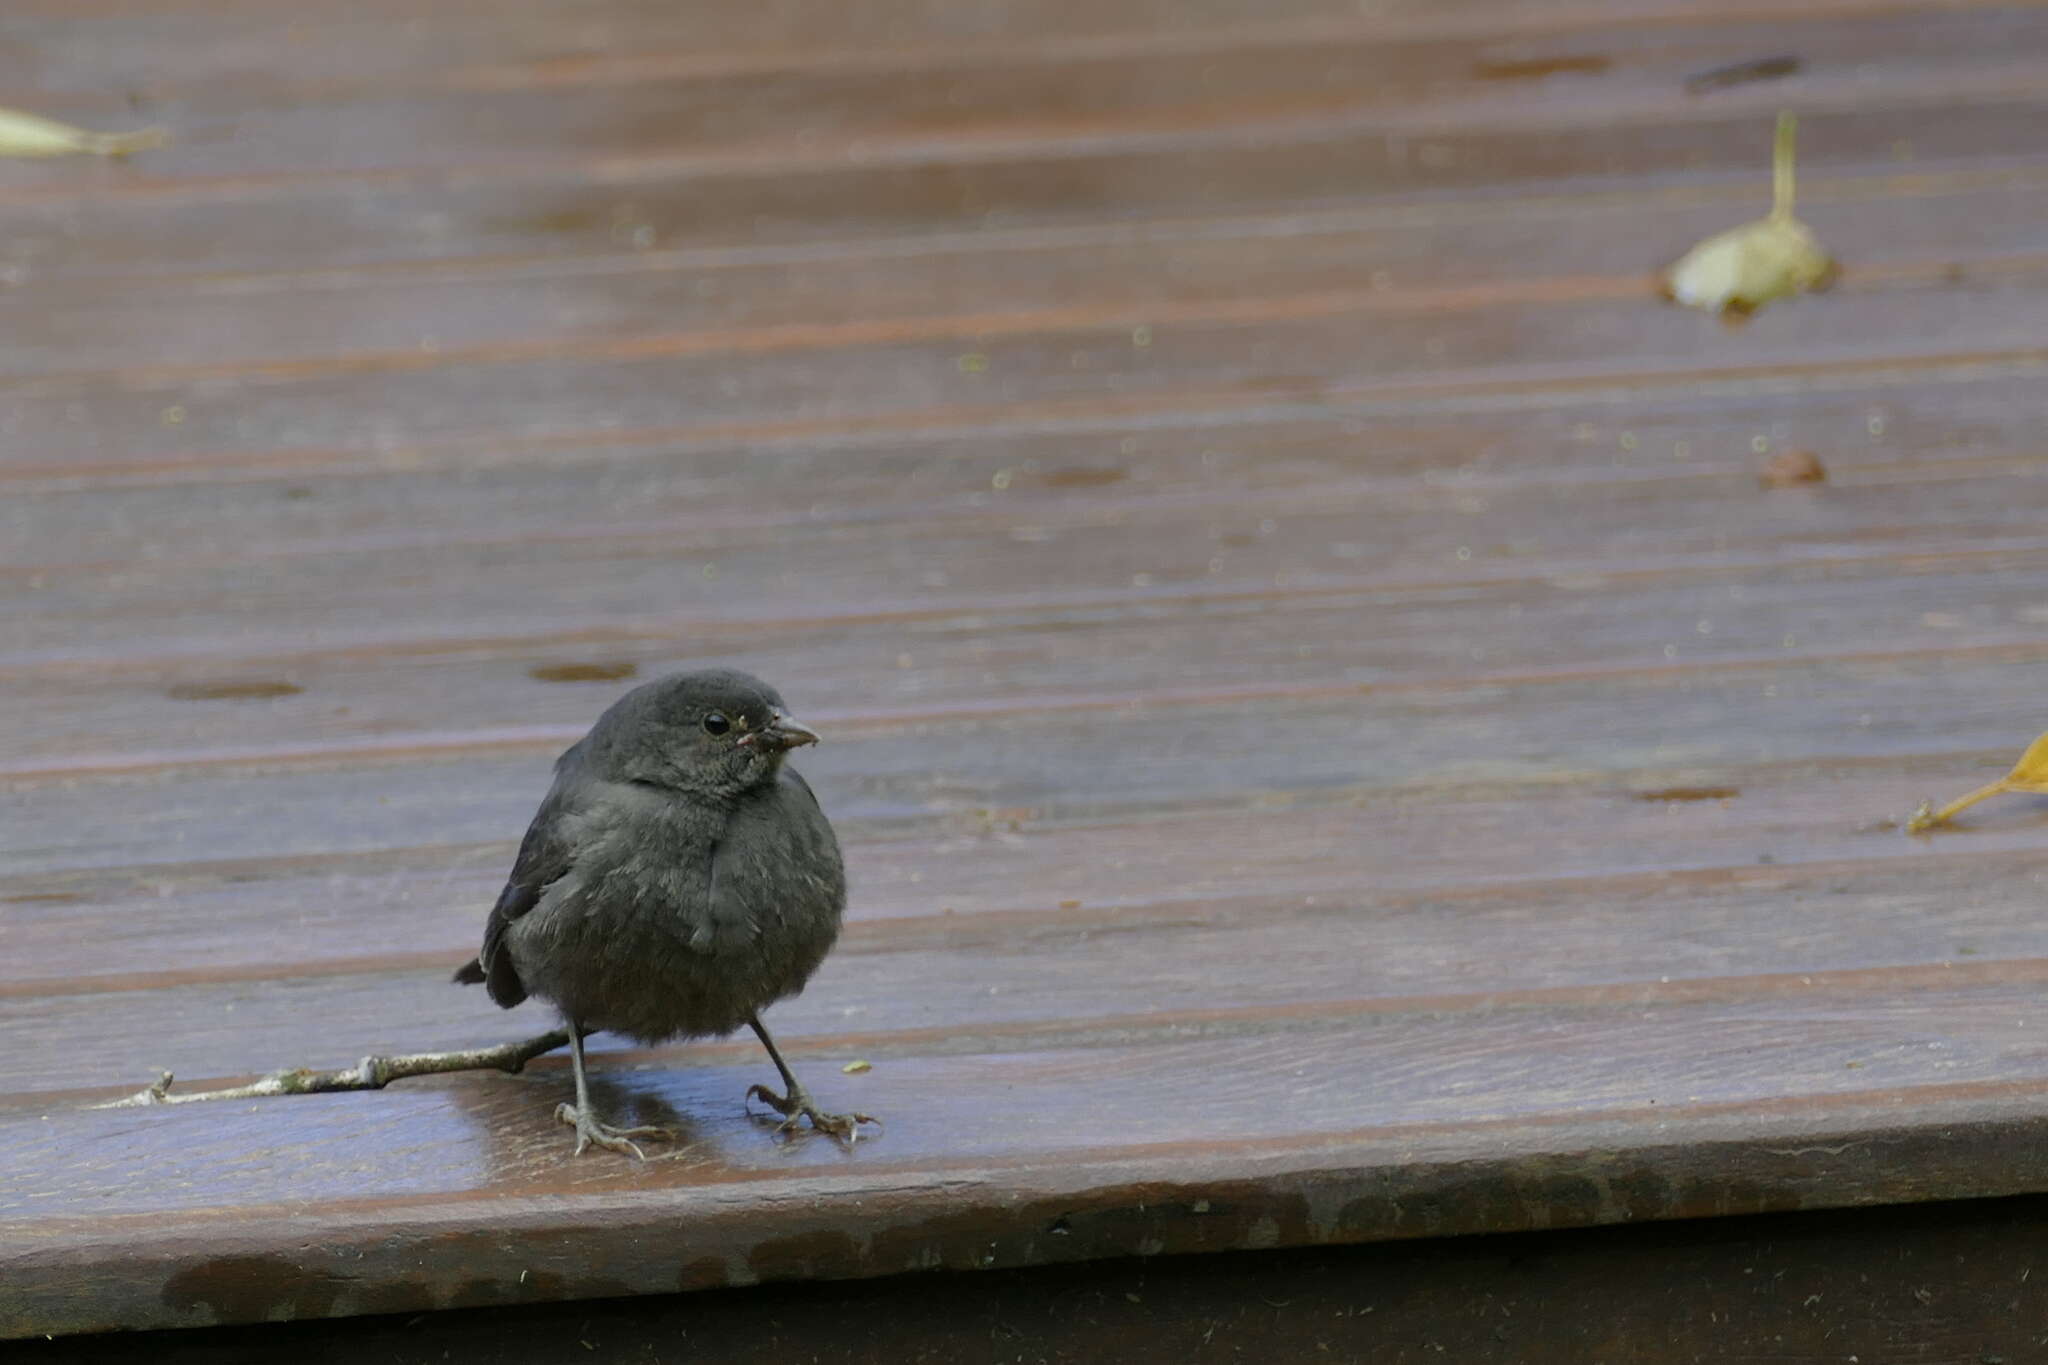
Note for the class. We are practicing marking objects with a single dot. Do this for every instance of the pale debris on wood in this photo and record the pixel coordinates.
(24, 134)
(371, 1073)
(1736, 272)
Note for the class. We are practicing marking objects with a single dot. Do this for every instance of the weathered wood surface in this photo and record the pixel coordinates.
(1333, 741)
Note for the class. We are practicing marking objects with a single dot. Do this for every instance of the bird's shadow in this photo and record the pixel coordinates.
(624, 1105)
(628, 1106)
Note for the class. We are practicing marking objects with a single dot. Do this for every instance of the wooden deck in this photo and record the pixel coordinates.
(1334, 743)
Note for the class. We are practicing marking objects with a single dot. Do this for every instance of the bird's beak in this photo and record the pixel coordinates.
(783, 732)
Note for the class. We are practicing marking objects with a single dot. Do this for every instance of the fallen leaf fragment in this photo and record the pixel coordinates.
(2030, 774)
(1788, 468)
(1736, 272)
(24, 134)
(858, 1065)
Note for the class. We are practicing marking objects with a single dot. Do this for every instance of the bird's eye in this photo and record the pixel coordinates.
(716, 724)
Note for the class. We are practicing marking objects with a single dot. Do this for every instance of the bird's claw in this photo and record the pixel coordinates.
(589, 1129)
(798, 1105)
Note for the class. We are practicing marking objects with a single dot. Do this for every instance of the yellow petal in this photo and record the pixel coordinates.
(24, 134)
(2030, 774)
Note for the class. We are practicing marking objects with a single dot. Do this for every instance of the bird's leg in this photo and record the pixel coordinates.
(797, 1103)
(583, 1118)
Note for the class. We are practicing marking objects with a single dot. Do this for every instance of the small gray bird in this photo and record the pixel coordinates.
(678, 879)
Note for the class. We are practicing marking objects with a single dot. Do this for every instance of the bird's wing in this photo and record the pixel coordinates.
(544, 857)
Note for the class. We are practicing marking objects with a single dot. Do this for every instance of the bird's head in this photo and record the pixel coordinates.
(714, 734)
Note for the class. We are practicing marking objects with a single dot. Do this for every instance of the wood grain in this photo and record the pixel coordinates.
(1332, 738)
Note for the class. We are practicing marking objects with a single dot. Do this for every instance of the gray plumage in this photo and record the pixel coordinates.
(678, 878)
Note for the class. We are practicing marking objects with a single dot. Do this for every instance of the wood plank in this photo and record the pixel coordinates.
(898, 773)
(215, 49)
(1802, 1286)
(213, 708)
(139, 226)
(1832, 1045)
(1162, 969)
(208, 45)
(1869, 419)
(389, 317)
(831, 1217)
(1241, 1078)
(1785, 835)
(675, 582)
(965, 107)
(1314, 349)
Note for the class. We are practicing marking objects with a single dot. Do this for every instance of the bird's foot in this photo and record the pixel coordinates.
(589, 1130)
(798, 1104)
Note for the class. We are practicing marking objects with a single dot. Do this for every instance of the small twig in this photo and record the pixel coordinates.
(371, 1073)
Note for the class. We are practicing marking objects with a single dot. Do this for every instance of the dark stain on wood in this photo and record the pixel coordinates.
(1082, 476)
(1536, 68)
(1689, 794)
(703, 1272)
(612, 671)
(231, 689)
(529, 1286)
(1743, 73)
(254, 1289)
(823, 1254)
